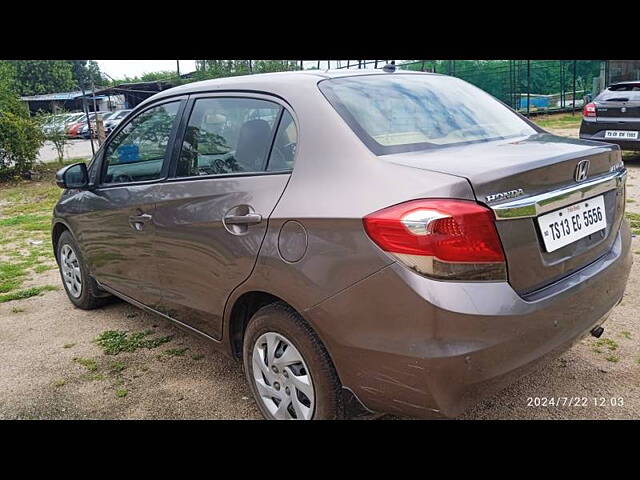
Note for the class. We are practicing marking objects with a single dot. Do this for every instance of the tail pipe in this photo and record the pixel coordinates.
(597, 331)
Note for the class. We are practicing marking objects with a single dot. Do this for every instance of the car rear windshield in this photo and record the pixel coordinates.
(628, 92)
(405, 112)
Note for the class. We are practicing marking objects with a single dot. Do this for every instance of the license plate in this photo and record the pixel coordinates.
(621, 134)
(572, 223)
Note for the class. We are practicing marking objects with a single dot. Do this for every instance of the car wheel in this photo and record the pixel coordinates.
(288, 369)
(81, 288)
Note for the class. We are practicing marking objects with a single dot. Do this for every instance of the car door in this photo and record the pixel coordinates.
(211, 217)
(118, 231)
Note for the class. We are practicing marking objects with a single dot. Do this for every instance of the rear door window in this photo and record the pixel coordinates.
(227, 135)
(284, 146)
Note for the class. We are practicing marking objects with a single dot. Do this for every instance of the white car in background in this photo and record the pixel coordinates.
(115, 119)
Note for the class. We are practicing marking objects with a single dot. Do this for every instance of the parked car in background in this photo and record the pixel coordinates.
(53, 123)
(73, 130)
(84, 131)
(418, 247)
(115, 119)
(614, 116)
(72, 118)
(58, 122)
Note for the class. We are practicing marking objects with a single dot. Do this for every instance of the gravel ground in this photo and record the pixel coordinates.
(186, 378)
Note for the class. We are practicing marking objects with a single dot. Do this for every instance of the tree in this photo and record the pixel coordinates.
(206, 69)
(162, 75)
(85, 72)
(53, 131)
(20, 136)
(37, 77)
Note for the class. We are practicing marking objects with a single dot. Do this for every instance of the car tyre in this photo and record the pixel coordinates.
(82, 290)
(275, 328)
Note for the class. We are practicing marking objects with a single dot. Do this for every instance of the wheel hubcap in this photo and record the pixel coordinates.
(282, 378)
(71, 271)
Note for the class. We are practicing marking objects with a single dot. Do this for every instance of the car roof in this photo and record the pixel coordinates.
(277, 83)
(627, 82)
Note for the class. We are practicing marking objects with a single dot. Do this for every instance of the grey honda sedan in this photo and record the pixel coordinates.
(382, 241)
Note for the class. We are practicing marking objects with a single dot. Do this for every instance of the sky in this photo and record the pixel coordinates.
(134, 68)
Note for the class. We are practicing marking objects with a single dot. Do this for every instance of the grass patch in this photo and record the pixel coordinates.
(115, 341)
(607, 343)
(42, 268)
(565, 120)
(59, 383)
(8, 285)
(613, 358)
(25, 225)
(197, 356)
(28, 223)
(117, 367)
(17, 310)
(121, 393)
(88, 363)
(626, 334)
(634, 222)
(26, 293)
(10, 276)
(173, 352)
(28, 198)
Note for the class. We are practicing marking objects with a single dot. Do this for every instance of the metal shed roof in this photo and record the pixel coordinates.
(52, 96)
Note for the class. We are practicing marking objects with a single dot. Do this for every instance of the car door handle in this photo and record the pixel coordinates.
(248, 219)
(137, 221)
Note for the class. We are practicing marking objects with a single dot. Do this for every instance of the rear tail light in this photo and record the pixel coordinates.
(443, 239)
(589, 110)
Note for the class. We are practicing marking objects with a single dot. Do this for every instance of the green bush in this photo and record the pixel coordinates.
(20, 142)
(20, 135)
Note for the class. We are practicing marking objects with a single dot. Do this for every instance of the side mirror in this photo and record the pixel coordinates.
(73, 176)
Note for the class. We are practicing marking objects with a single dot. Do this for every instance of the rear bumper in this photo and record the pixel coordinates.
(590, 130)
(408, 345)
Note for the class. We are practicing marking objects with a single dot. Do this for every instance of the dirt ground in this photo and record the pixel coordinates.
(51, 367)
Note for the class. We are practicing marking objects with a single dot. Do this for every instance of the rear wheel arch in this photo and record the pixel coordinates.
(245, 306)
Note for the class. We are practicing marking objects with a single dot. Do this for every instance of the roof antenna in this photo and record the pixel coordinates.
(390, 67)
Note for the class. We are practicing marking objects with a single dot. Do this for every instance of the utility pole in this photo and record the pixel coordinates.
(99, 131)
(86, 111)
(528, 86)
(573, 108)
(178, 67)
(85, 107)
